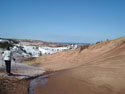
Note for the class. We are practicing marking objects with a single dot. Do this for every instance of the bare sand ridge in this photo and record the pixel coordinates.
(99, 69)
(73, 58)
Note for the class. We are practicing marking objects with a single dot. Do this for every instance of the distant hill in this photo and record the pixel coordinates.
(70, 43)
(31, 42)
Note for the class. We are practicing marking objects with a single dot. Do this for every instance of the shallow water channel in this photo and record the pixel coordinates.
(39, 81)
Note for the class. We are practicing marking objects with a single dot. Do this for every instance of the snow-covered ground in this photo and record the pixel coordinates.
(36, 51)
(52, 50)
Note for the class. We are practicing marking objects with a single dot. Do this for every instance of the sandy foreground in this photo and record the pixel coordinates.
(91, 79)
(99, 69)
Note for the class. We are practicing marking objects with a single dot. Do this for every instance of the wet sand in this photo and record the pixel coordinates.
(91, 80)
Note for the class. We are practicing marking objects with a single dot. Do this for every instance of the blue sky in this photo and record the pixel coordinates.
(62, 20)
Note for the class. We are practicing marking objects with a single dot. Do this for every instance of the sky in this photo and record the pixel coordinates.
(81, 21)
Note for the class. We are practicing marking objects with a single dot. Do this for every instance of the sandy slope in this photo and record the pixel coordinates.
(74, 58)
(100, 70)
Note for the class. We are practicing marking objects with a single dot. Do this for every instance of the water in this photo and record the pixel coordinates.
(70, 43)
(42, 81)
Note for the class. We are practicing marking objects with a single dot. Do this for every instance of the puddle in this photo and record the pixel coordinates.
(39, 81)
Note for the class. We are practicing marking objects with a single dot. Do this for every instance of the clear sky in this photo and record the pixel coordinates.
(62, 20)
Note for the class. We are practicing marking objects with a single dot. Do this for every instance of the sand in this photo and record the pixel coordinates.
(99, 69)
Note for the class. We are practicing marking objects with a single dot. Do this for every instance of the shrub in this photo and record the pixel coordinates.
(82, 47)
(98, 42)
(6, 45)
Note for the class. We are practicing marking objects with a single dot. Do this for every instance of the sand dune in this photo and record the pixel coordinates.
(74, 58)
(99, 69)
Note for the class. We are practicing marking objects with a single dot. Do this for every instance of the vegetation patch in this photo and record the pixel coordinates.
(11, 85)
(6, 45)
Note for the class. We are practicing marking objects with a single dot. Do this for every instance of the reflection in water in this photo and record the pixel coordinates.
(42, 81)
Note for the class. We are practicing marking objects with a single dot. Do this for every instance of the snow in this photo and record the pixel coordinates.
(52, 50)
(2, 41)
(35, 51)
